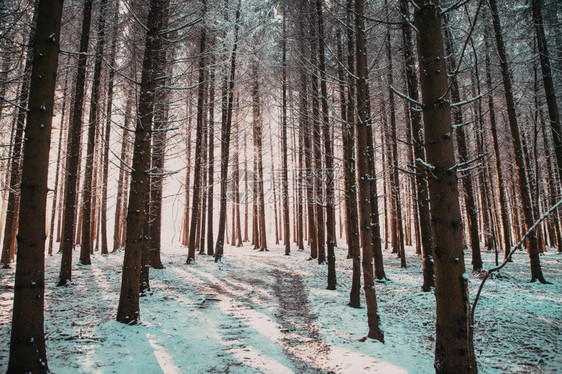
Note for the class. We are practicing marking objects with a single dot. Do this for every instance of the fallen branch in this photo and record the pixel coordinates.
(511, 252)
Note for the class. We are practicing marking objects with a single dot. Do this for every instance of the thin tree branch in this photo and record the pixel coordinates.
(511, 252)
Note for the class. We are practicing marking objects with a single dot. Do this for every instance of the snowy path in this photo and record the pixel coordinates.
(263, 312)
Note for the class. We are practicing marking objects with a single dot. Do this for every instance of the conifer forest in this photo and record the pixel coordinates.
(278, 186)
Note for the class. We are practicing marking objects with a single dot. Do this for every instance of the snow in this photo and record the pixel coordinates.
(264, 312)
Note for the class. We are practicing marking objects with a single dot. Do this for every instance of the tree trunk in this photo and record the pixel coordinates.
(87, 240)
(365, 185)
(27, 340)
(463, 155)
(129, 310)
(328, 156)
(73, 151)
(196, 200)
(284, 160)
(394, 177)
(211, 160)
(454, 351)
(533, 249)
(225, 138)
(504, 204)
(122, 184)
(550, 92)
(12, 211)
(418, 139)
(107, 139)
(352, 216)
(258, 154)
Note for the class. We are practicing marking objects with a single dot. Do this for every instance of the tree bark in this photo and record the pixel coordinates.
(87, 240)
(27, 339)
(454, 351)
(463, 155)
(418, 139)
(364, 143)
(73, 151)
(533, 248)
(128, 311)
(225, 137)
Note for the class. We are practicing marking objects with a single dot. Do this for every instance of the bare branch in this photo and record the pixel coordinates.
(511, 252)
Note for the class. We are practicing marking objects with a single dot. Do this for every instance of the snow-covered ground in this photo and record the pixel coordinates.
(263, 312)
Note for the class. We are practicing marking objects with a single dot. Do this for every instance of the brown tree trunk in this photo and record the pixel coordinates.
(211, 160)
(258, 153)
(306, 128)
(27, 340)
(328, 171)
(73, 151)
(129, 310)
(87, 240)
(12, 212)
(395, 188)
(122, 184)
(504, 205)
(454, 351)
(107, 138)
(363, 154)
(196, 200)
(56, 188)
(550, 92)
(284, 158)
(348, 129)
(533, 249)
(463, 156)
(422, 197)
(186, 220)
(225, 137)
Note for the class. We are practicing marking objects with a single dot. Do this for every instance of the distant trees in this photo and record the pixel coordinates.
(294, 119)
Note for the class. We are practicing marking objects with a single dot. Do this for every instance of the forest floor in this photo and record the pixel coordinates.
(264, 312)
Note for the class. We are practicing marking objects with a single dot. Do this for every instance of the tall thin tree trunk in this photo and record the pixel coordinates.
(422, 197)
(328, 155)
(128, 311)
(107, 138)
(27, 339)
(463, 155)
(258, 154)
(211, 160)
(12, 212)
(352, 216)
(363, 154)
(551, 103)
(533, 249)
(394, 177)
(502, 186)
(73, 151)
(284, 160)
(196, 200)
(122, 183)
(454, 351)
(93, 124)
(225, 138)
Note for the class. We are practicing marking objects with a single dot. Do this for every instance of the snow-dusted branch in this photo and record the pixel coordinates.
(137, 19)
(425, 164)
(511, 252)
(406, 97)
(463, 164)
(2, 98)
(461, 103)
(166, 129)
(457, 5)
